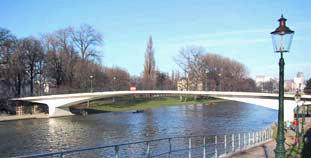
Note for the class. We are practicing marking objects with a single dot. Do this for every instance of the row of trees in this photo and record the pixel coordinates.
(208, 71)
(68, 61)
(65, 58)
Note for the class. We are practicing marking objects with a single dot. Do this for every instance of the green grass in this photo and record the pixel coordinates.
(139, 103)
(294, 151)
(309, 108)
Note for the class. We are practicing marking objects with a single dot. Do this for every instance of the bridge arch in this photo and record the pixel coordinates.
(59, 104)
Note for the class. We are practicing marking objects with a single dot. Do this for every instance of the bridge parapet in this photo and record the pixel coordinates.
(59, 104)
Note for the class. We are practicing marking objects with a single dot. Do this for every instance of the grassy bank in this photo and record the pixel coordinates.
(139, 103)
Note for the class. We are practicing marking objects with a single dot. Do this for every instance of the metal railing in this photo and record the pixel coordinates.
(186, 146)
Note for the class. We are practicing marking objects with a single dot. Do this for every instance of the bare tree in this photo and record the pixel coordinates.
(191, 63)
(118, 79)
(164, 81)
(60, 58)
(213, 71)
(86, 38)
(149, 67)
(54, 60)
(226, 74)
(12, 68)
(32, 50)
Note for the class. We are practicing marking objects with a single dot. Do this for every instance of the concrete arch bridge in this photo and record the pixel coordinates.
(59, 104)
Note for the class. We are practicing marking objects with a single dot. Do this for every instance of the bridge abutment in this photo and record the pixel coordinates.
(58, 112)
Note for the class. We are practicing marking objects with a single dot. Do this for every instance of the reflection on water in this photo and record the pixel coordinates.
(42, 135)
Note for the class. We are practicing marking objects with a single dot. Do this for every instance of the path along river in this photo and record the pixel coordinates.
(26, 137)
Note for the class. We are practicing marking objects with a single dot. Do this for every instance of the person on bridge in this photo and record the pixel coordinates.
(296, 130)
(288, 124)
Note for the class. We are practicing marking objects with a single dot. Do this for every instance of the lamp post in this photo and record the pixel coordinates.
(281, 38)
(113, 83)
(113, 88)
(219, 81)
(302, 124)
(297, 99)
(206, 81)
(91, 78)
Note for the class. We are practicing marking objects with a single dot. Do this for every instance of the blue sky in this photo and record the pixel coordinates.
(238, 29)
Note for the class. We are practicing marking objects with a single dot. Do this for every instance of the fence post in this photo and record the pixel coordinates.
(62, 155)
(253, 138)
(204, 147)
(216, 145)
(225, 141)
(267, 134)
(232, 150)
(148, 150)
(189, 147)
(170, 148)
(257, 138)
(244, 140)
(116, 150)
(249, 139)
(260, 136)
(239, 141)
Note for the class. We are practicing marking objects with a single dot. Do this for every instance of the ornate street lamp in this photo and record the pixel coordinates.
(282, 39)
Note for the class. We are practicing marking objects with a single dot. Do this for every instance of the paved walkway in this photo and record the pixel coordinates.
(262, 151)
(22, 117)
(267, 150)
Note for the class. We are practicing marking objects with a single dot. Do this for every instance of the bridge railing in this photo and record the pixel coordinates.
(185, 146)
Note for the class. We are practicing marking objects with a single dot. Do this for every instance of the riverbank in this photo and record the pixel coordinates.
(123, 104)
(23, 117)
(140, 103)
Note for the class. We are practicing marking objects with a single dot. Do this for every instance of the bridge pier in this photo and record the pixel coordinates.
(57, 112)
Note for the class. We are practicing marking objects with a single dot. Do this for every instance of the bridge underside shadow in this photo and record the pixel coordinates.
(289, 105)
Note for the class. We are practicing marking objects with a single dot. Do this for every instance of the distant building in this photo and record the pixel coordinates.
(266, 83)
(184, 85)
(299, 81)
(289, 86)
(261, 79)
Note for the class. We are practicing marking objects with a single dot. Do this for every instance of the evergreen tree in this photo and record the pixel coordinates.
(307, 89)
(149, 67)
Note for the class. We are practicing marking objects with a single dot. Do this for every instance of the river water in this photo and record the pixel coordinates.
(26, 137)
